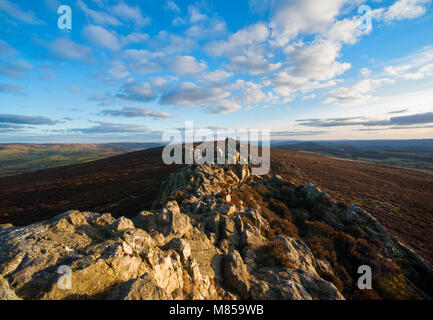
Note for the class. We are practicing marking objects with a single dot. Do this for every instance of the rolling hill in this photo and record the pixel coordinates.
(126, 184)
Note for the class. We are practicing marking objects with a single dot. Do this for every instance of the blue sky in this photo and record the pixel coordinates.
(128, 70)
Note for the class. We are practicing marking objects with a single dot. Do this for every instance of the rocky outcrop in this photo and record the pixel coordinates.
(198, 242)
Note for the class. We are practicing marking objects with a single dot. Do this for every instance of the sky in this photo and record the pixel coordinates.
(128, 70)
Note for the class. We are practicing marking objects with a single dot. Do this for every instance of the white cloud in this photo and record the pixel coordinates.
(238, 41)
(195, 15)
(170, 5)
(285, 84)
(17, 13)
(118, 70)
(406, 9)
(253, 64)
(135, 112)
(217, 75)
(6, 49)
(360, 92)
(159, 83)
(215, 28)
(143, 61)
(168, 43)
(15, 68)
(415, 66)
(184, 65)
(10, 88)
(317, 61)
(251, 92)
(189, 93)
(225, 106)
(65, 48)
(365, 72)
(101, 37)
(135, 37)
(133, 91)
(130, 13)
(292, 17)
(98, 17)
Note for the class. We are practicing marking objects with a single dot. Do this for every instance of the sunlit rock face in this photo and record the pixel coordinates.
(201, 241)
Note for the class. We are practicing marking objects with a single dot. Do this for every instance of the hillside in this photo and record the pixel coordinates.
(417, 154)
(124, 185)
(18, 158)
(214, 232)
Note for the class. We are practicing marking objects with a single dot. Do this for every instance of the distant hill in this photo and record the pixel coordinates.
(416, 154)
(129, 183)
(19, 158)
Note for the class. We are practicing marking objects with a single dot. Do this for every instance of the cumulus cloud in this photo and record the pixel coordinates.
(134, 112)
(365, 72)
(413, 67)
(293, 17)
(133, 91)
(135, 37)
(225, 106)
(254, 64)
(169, 43)
(360, 92)
(130, 13)
(10, 88)
(285, 84)
(17, 13)
(15, 68)
(214, 28)
(170, 5)
(118, 70)
(143, 61)
(217, 75)
(237, 42)
(97, 16)
(184, 65)
(251, 92)
(406, 9)
(101, 37)
(189, 93)
(6, 49)
(159, 83)
(67, 49)
(319, 59)
(20, 119)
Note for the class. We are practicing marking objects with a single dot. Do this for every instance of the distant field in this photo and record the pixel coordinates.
(20, 158)
(401, 199)
(420, 158)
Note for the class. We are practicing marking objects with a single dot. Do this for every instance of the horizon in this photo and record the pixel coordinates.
(127, 71)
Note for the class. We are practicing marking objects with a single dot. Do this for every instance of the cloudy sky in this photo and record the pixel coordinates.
(129, 69)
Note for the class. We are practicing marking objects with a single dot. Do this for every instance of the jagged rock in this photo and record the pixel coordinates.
(143, 288)
(204, 247)
(170, 222)
(236, 274)
(5, 291)
(312, 192)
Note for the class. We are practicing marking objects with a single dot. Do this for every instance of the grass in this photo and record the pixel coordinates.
(21, 158)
